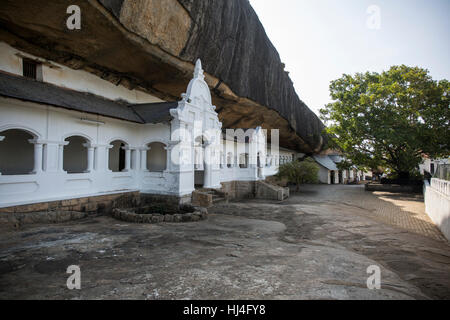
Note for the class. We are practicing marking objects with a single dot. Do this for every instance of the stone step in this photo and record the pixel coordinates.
(218, 200)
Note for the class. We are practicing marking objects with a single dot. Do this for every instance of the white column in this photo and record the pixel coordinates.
(168, 159)
(61, 157)
(144, 158)
(90, 159)
(127, 159)
(135, 157)
(106, 160)
(1, 139)
(38, 152)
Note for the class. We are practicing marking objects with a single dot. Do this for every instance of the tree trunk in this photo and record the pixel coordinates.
(403, 177)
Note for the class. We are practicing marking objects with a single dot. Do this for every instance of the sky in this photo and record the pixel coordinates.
(320, 40)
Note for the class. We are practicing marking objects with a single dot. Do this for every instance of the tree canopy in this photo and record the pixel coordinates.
(389, 119)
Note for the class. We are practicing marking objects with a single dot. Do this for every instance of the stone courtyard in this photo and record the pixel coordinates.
(316, 245)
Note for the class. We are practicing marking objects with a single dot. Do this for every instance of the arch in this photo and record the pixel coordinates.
(75, 156)
(78, 134)
(125, 141)
(230, 161)
(157, 157)
(117, 155)
(17, 152)
(202, 140)
(34, 133)
(155, 140)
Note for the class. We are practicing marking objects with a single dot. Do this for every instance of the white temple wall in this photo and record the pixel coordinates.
(51, 126)
(11, 62)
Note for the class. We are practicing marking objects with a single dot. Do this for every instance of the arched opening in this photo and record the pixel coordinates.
(117, 156)
(243, 161)
(75, 155)
(157, 157)
(16, 152)
(222, 160)
(230, 160)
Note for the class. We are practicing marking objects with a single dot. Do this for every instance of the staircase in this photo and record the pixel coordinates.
(208, 197)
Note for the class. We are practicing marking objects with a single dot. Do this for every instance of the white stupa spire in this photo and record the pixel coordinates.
(198, 72)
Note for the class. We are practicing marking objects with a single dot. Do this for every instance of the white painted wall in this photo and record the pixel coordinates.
(324, 175)
(52, 129)
(437, 204)
(79, 80)
(52, 126)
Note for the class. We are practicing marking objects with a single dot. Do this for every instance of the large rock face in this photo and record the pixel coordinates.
(153, 44)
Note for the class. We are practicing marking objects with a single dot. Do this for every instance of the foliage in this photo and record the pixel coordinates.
(300, 172)
(389, 119)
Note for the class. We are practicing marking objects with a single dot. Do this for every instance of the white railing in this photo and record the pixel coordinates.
(443, 186)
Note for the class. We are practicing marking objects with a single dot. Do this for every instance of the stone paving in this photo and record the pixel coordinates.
(406, 211)
(316, 245)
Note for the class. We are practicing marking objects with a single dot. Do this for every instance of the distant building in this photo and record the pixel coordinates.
(329, 173)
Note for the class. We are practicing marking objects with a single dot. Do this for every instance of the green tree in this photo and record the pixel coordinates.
(300, 172)
(389, 119)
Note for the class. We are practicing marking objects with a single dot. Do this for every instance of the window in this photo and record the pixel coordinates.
(117, 156)
(157, 157)
(243, 161)
(75, 155)
(230, 160)
(16, 153)
(32, 69)
(222, 160)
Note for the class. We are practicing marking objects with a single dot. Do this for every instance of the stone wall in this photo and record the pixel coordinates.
(237, 190)
(392, 188)
(96, 204)
(270, 192)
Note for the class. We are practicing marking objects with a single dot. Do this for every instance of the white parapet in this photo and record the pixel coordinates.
(443, 186)
(437, 204)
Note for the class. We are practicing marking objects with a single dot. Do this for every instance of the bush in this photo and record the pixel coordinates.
(415, 179)
(300, 172)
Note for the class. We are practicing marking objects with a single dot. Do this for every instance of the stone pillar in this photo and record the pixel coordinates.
(168, 157)
(144, 158)
(51, 154)
(135, 157)
(101, 157)
(106, 160)
(90, 159)
(1, 139)
(61, 157)
(38, 153)
(127, 159)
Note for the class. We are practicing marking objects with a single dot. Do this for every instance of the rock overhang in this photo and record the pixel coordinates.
(118, 43)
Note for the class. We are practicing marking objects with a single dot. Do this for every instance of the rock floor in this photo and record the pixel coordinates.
(316, 245)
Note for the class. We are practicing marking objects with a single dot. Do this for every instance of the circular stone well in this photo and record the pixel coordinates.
(159, 213)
